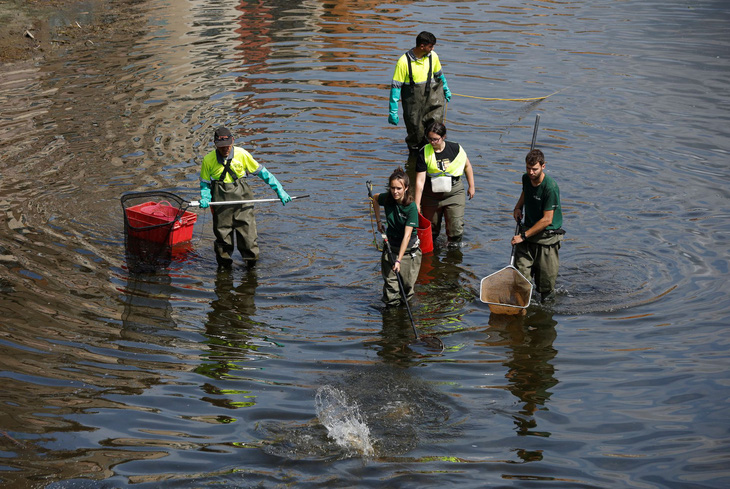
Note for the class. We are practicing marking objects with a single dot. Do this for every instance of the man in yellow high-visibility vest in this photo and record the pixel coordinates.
(419, 83)
(223, 176)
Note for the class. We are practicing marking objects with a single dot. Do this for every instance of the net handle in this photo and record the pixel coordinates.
(512, 255)
(196, 203)
(532, 146)
(400, 285)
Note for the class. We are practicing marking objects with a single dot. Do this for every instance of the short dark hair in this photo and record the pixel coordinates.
(438, 128)
(535, 156)
(400, 174)
(425, 37)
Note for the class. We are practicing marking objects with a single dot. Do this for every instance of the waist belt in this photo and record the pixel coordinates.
(553, 232)
(409, 251)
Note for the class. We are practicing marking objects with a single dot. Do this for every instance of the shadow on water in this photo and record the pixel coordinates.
(146, 298)
(445, 289)
(147, 294)
(396, 337)
(437, 310)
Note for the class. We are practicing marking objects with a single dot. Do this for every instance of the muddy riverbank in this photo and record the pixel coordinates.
(41, 28)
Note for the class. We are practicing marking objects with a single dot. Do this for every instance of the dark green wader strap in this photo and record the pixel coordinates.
(227, 169)
(428, 78)
(427, 91)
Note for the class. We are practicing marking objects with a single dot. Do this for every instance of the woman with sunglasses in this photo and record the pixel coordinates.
(440, 192)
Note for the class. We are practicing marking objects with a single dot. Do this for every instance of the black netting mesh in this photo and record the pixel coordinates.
(146, 211)
(152, 222)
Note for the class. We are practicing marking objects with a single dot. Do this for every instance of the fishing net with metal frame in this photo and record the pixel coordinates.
(506, 291)
(153, 222)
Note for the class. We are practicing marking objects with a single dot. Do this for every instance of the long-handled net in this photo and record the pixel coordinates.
(508, 291)
(429, 341)
(369, 185)
(152, 215)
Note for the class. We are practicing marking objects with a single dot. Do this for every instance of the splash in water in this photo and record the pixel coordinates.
(343, 420)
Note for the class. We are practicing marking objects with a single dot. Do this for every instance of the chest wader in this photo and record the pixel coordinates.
(233, 219)
(409, 268)
(423, 104)
(448, 206)
(539, 257)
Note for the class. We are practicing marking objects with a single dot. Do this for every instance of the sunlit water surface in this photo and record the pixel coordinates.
(292, 375)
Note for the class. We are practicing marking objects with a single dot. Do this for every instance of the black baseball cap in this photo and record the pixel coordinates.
(223, 137)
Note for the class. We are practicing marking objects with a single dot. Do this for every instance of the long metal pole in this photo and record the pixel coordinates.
(400, 286)
(195, 203)
(532, 146)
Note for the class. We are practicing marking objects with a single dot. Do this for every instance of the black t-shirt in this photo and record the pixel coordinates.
(443, 159)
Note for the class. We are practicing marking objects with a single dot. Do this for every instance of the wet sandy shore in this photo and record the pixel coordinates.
(36, 29)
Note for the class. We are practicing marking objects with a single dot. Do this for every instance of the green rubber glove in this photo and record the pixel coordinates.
(274, 184)
(447, 92)
(205, 196)
(393, 105)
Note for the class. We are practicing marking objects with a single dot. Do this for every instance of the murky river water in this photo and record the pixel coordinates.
(184, 377)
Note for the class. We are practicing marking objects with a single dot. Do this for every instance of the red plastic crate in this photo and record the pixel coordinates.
(153, 213)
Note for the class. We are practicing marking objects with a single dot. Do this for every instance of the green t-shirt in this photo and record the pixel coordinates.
(397, 217)
(544, 197)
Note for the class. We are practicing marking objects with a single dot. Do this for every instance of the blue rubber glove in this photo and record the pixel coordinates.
(447, 92)
(205, 196)
(393, 105)
(274, 184)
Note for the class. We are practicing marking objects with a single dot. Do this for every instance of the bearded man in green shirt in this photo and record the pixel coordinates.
(537, 245)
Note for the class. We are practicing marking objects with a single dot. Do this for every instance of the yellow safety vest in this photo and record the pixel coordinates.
(420, 71)
(455, 168)
(242, 164)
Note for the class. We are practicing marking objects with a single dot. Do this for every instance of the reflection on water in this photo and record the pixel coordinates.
(530, 373)
(124, 371)
(446, 288)
(231, 337)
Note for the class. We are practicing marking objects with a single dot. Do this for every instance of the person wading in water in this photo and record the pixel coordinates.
(402, 218)
(223, 178)
(419, 83)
